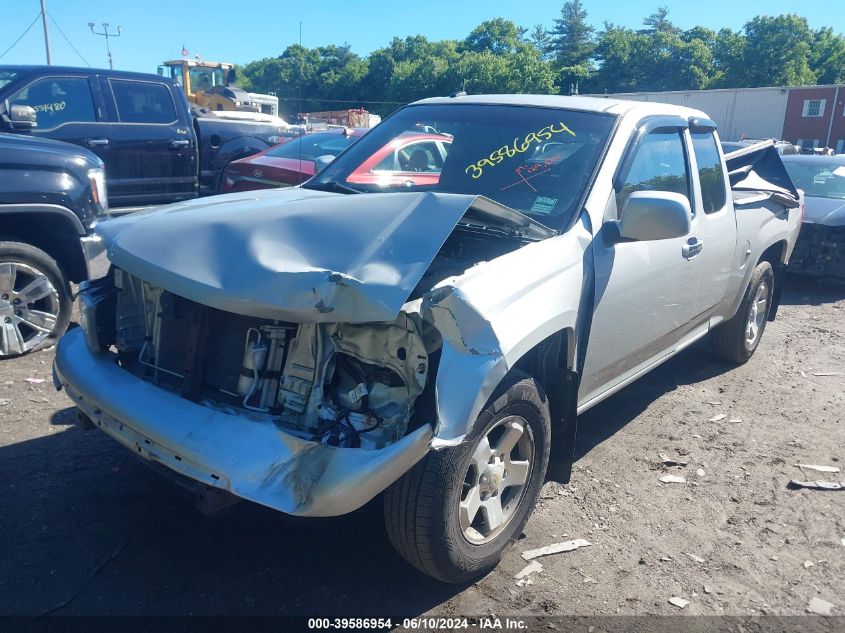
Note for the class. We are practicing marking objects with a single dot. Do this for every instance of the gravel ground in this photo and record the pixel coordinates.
(88, 529)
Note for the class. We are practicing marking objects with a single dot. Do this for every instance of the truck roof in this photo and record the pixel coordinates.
(587, 104)
(40, 68)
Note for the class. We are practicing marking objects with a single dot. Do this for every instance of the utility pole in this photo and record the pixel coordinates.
(46, 34)
(107, 35)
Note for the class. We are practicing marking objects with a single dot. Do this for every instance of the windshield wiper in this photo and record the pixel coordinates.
(331, 185)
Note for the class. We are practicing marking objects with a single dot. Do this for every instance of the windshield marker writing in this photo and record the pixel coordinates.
(510, 151)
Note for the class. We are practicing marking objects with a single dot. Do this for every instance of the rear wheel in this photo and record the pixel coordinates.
(737, 339)
(35, 300)
(454, 514)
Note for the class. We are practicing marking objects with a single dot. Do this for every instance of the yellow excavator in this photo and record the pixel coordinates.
(212, 85)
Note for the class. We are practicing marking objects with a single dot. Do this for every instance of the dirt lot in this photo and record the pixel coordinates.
(87, 529)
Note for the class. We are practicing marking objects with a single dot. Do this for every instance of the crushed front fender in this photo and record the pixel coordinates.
(251, 458)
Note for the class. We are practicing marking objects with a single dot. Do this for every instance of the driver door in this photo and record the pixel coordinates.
(645, 296)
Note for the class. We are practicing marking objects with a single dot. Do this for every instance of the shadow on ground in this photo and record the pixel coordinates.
(88, 529)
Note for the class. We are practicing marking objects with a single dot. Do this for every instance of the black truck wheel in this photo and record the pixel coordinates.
(35, 299)
(455, 513)
(737, 339)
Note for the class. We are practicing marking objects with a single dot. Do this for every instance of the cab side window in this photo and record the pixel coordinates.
(58, 100)
(710, 172)
(659, 164)
(143, 102)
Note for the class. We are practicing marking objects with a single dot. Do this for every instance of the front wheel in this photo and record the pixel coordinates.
(454, 514)
(737, 339)
(35, 300)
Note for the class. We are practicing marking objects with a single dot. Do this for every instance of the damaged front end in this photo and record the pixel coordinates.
(300, 377)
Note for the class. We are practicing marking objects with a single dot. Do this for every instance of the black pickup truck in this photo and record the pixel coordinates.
(52, 195)
(155, 148)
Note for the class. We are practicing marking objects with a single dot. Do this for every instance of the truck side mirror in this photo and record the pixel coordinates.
(655, 215)
(22, 117)
(321, 162)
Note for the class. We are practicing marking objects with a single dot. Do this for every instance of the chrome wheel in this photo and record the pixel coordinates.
(495, 480)
(29, 308)
(757, 314)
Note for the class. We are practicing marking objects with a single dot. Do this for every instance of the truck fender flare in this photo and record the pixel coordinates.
(66, 214)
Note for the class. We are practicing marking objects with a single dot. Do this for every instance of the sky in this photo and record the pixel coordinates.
(223, 30)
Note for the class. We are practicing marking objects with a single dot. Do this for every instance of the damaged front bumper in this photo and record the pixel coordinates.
(820, 251)
(250, 458)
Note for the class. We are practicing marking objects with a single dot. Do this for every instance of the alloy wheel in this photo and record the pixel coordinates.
(757, 314)
(496, 479)
(29, 308)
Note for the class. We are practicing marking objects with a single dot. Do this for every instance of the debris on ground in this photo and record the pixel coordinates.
(673, 479)
(735, 420)
(819, 606)
(817, 485)
(678, 602)
(668, 461)
(718, 417)
(556, 548)
(821, 469)
(715, 403)
(808, 564)
(700, 472)
(532, 567)
(4, 402)
(829, 373)
(697, 559)
(34, 381)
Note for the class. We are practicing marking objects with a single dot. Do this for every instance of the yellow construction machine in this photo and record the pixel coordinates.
(212, 85)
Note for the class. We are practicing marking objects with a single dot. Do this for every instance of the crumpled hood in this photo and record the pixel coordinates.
(824, 211)
(295, 254)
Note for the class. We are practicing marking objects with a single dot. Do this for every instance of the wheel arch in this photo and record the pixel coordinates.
(54, 230)
(776, 256)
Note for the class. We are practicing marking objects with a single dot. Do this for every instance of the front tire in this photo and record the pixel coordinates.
(455, 513)
(35, 300)
(737, 339)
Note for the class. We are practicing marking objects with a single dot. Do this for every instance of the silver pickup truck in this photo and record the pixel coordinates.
(429, 325)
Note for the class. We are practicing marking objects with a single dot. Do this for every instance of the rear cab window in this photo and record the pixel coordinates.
(143, 102)
(711, 173)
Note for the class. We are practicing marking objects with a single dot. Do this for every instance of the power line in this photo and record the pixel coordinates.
(56, 24)
(22, 36)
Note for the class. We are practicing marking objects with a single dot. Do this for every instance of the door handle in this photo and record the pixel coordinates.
(692, 247)
(97, 142)
(180, 143)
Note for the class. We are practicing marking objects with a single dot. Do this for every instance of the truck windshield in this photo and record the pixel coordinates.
(536, 160)
(819, 178)
(310, 146)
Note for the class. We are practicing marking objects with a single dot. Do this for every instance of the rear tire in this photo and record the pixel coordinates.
(737, 339)
(35, 300)
(455, 513)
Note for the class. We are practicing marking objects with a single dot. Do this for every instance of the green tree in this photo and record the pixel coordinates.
(827, 58)
(541, 40)
(777, 51)
(572, 43)
(729, 59)
(497, 36)
(659, 22)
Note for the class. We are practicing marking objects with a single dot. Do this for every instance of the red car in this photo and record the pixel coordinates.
(415, 158)
(412, 158)
(289, 163)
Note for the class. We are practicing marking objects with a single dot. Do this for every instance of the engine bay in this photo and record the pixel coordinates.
(340, 384)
